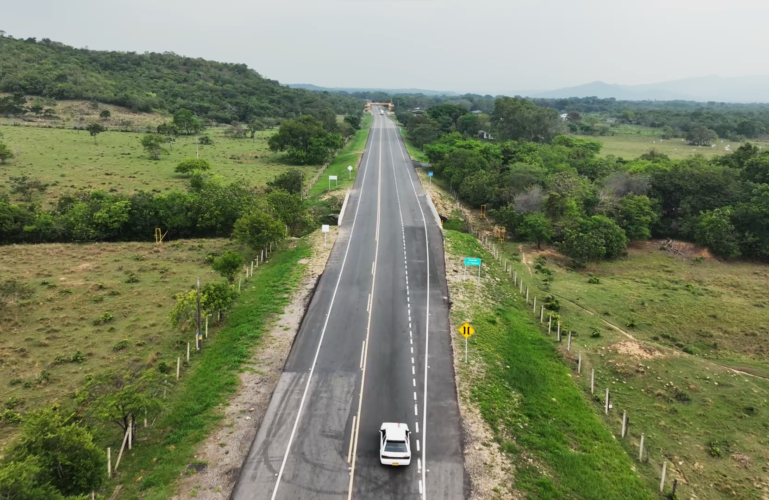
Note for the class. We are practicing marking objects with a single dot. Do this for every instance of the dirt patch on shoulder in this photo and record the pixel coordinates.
(680, 248)
(226, 448)
(635, 350)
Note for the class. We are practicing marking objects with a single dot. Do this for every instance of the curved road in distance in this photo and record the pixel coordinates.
(373, 347)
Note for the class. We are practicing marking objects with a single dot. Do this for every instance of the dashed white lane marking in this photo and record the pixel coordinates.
(414, 381)
(413, 371)
(362, 350)
(415, 396)
(417, 427)
(416, 412)
(417, 445)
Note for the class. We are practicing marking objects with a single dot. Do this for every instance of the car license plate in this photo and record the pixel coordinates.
(395, 464)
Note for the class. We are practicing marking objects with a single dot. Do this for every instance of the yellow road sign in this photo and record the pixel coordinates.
(466, 330)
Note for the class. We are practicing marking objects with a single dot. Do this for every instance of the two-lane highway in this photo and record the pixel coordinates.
(374, 346)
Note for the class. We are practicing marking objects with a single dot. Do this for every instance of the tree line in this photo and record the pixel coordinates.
(220, 92)
(544, 186)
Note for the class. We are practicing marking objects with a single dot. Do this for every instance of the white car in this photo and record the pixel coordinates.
(394, 444)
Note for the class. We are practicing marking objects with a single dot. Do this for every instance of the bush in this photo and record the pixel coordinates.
(595, 238)
(120, 345)
(10, 417)
(594, 280)
(104, 318)
(13, 402)
(189, 165)
(78, 357)
(205, 140)
(551, 303)
(132, 278)
(228, 265)
(595, 333)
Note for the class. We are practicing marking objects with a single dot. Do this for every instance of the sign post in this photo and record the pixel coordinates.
(430, 175)
(332, 178)
(324, 229)
(467, 331)
(473, 261)
(349, 171)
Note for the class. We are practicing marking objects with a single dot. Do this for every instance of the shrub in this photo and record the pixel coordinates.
(631, 324)
(10, 417)
(228, 264)
(595, 333)
(132, 278)
(551, 303)
(120, 345)
(163, 367)
(205, 140)
(189, 165)
(594, 280)
(78, 357)
(104, 318)
(13, 402)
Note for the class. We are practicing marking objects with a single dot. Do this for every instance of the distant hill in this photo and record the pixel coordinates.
(703, 89)
(153, 81)
(350, 90)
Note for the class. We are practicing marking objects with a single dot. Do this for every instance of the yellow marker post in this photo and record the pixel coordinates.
(483, 211)
(467, 331)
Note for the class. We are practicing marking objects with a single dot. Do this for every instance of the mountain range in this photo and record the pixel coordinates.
(706, 88)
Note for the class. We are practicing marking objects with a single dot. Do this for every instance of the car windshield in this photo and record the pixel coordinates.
(395, 447)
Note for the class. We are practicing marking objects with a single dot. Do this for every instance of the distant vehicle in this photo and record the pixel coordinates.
(381, 111)
(394, 444)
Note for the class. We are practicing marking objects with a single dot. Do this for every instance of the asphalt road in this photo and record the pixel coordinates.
(374, 346)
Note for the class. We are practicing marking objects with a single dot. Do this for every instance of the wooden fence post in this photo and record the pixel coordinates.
(592, 381)
(641, 448)
(109, 462)
(178, 366)
(607, 401)
(662, 481)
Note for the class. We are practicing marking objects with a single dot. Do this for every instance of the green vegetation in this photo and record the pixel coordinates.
(219, 92)
(68, 161)
(524, 392)
(191, 409)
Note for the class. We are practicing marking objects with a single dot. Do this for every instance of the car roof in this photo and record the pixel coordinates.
(395, 431)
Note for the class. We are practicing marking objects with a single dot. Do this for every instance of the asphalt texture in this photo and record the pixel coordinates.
(374, 347)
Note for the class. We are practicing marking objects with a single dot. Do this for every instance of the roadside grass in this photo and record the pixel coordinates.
(69, 160)
(81, 301)
(323, 201)
(414, 151)
(524, 392)
(631, 142)
(690, 319)
(71, 113)
(151, 469)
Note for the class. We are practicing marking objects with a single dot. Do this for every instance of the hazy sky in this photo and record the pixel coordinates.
(471, 45)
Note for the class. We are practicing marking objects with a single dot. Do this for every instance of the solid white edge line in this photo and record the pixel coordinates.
(368, 326)
(352, 433)
(320, 340)
(427, 314)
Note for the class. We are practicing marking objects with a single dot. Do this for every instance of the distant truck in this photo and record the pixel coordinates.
(394, 444)
(381, 111)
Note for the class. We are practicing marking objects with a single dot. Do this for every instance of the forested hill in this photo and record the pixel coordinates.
(223, 92)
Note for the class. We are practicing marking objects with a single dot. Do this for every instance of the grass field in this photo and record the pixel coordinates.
(414, 151)
(631, 142)
(68, 289)
(522, 387)
(68, 160)
(683, 322)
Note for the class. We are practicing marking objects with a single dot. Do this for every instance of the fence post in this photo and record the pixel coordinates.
(549, 324)
(662, 481)
(109, 462)
(624, 420)
(535, 305)
(559, 331)
(641, 448)
(592, 381)
(607, 401)
(178, 366)
(188, 352)
(542, 315)
(579, 363)
(568, 345)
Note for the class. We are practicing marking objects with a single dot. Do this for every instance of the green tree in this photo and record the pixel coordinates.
(635, 214)
(188, 165)
(594, 238)
(289, 209)
(701, 136)
(153, 145)
(353, 120)
(290, 181)
(478, 188)
(95, 129)
(716, 231)
(750, 128)
(214, 297)
(258, 229)
(25, 187)
(537, 228)
(520, 119)
(65, 452)
(186, 121)
(255, 126)
(24, 480)
(305, 140)
(105, 113)
(228, 264)
(5, 153)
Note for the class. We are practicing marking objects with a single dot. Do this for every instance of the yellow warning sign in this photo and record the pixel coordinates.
(466, 330)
